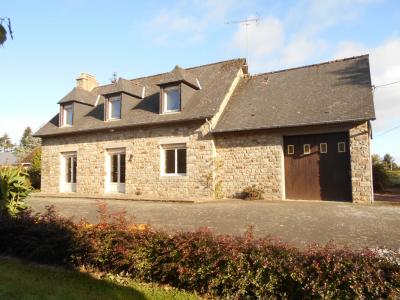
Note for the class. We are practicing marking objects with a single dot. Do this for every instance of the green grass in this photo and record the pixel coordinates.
(20, 280)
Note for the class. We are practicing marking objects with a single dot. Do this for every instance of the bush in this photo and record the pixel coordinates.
(220, 266)
(14, 188)
(252, 193)
(34, 171)
(380, 177)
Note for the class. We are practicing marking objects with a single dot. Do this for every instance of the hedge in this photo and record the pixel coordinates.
(220, 266)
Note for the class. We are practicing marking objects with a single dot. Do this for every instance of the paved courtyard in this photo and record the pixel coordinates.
(297, 222)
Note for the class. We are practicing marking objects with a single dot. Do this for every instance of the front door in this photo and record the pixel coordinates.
(317, 167)
(116, 171)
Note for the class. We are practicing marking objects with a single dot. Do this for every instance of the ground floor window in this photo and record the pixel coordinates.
(173, 159)
(116, 169)
(68, 172)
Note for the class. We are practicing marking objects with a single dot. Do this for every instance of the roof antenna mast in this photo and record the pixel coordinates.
(246, 23)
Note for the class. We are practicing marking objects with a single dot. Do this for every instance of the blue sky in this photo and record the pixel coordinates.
(56, 40)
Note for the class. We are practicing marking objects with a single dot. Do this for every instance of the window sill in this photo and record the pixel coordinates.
(171, 112)
(166, 176)
(66, 126)
(113, 120)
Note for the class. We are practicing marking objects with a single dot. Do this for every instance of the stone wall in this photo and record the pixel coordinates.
(217, 167)
(361, 167)
(246, 159)
(143, 149)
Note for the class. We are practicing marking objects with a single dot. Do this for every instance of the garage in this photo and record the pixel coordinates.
(317, 167)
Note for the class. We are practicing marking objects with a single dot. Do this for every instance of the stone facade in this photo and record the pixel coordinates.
(247, 159)
(361, 167)
(218, 165)
(143, 149)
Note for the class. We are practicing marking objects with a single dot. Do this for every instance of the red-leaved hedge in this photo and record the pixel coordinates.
(221, 266)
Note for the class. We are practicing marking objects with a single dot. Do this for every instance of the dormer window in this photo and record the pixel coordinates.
(67, 115)
(171, 99)
(114, 108)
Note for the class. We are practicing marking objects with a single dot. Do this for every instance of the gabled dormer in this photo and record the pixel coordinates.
(115, 94)
(80, 95)
(175, 88)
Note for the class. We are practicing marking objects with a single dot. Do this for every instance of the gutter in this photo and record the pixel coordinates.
(294, 125)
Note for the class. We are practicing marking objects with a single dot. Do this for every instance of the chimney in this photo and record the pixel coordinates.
(245, 69)
(86, 82)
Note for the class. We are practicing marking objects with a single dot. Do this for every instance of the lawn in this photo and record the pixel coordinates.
(20, 280)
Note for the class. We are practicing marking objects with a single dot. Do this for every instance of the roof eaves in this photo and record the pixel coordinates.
(292, 125)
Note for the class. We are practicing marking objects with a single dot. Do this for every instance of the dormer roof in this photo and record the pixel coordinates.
(123, 86)
(81, 96)
(179, 74)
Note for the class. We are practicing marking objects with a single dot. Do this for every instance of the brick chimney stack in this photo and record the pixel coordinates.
(86, 82)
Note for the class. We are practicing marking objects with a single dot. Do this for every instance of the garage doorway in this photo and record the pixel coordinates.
(317, 167)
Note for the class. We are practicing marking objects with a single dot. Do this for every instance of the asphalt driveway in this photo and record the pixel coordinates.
(296, 222)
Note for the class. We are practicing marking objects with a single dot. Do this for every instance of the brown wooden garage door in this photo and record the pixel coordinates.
(317, 167)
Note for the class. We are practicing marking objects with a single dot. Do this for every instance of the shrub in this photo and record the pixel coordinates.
(252, 193)
(34, 170)
(221, 266)
(14, 188)
(380, 176)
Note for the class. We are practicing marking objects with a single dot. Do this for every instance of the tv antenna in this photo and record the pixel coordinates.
(246, 23)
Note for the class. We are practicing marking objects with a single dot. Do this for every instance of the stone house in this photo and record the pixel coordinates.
(211, 131)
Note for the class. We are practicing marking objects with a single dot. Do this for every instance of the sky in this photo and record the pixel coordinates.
(54, 41)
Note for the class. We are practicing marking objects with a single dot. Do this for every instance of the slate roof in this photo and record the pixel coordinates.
(122, 85)
(332, 92)
(7, 159)
(177, 75)
(215, 80)
(80, 95)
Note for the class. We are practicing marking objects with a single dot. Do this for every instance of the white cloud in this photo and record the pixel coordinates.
(188, 21)
(300, 50)
(263, 38)
(385, 68)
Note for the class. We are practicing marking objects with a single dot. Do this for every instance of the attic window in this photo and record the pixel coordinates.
(67, 115)
(114, 108)
(171, 99)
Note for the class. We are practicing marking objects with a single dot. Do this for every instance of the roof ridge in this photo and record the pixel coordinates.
(190, 68)
(310, 66)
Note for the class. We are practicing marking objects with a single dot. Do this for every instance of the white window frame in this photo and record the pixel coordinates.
(326, 148)
(165, 99)
(344, 147)
(304, 149)
(110, 100)
(290, 149)
(68, 187)
(114, 187)
(175, 147)
(65, 109)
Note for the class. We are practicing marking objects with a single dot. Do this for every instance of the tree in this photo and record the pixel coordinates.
(27, 143)
(388, 161)
(5, 143)
(3, 30)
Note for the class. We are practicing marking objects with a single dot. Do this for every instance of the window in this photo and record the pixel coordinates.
(171, 99)
(341, 147)
(173, 160)
(68, 172)
(116, 170)
(323, 148)
(68, 115)
(290, 149)
(114, 108)
(306, 149)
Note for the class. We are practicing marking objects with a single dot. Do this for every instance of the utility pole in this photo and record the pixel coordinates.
(246, 22)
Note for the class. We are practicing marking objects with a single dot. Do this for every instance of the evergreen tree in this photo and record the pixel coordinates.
(5, 143)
